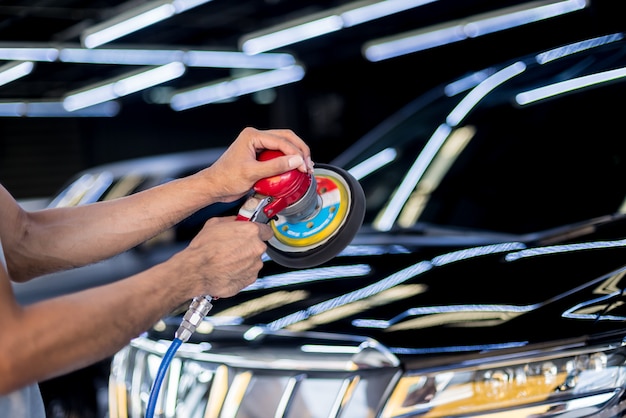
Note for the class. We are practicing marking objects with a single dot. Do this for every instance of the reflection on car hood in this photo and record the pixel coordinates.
(417, 299)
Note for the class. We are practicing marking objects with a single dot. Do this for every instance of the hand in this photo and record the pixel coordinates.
(236, 171)
(224, 257)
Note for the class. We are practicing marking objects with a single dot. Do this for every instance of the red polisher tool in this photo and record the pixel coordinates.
(314, 217)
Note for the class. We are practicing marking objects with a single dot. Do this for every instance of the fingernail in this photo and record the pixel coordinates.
(295, 161)
(310, 164)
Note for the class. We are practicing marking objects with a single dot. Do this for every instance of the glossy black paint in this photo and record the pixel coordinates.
(479, 302)
(520, 243)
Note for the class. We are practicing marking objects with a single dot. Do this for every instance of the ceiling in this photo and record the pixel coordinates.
(218, 25)
(341, 97)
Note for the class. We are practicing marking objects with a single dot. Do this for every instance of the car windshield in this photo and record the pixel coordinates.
(531, 145)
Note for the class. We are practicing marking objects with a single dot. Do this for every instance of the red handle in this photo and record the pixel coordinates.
(283, 189)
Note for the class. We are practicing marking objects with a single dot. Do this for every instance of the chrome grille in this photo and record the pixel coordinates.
(251, 383)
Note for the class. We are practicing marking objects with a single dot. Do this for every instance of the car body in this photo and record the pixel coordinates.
(486, 280)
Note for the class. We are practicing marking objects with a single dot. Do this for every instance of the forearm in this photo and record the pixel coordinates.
(62, 238)
(70, 332)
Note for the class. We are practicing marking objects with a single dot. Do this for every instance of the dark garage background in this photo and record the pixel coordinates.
(341, 97)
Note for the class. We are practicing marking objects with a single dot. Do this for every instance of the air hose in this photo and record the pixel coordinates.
(198, 309)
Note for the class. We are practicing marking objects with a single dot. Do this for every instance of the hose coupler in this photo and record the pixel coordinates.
(198, 309)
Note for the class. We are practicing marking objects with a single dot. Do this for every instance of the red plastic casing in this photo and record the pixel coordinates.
(284, 189)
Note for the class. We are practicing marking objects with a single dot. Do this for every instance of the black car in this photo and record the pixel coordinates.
(486, 280)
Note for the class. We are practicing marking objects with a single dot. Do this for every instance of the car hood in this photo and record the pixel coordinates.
(427, 295)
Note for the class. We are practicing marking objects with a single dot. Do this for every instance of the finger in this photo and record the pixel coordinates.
(220, 219)
(265, 232)
(288, 143)
(279, 165)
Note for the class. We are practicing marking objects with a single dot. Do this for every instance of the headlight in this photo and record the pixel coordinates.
(535, 384)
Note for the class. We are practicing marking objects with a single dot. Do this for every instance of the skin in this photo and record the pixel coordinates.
(63, 334)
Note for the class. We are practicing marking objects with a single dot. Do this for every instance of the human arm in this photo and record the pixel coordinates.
(62, 334)
(45, 241)
(59, 335)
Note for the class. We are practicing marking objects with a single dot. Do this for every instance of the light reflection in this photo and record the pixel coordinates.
(470, 101)
(385, 219)
(309, 275)
(347, 301)
(334, 349)
(574, 48)
(261, 304)
(446, 314)
(86, 189)
(437, 169)
(457, 348)
(384, 298)
(592, 310)
(541, 93)
(373, 289)
(539, 251)
(364, 298)
(359, 250)
(460, 315)
(476, 252)
(373, 163)
(467, 83)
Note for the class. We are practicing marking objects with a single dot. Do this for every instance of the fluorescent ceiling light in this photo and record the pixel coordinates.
(291, 35)
(184, 5)
(193, 58)
(14, 70)
(562, 87)
(127, 22)
(235, 87)
(122, 86)
(135, 19)
(235, 59)
(55, 109)
(146, 56)
(26, 53)
(120, 56)
(472, 27)
(322, 23)
(12, 109)
(364, 11)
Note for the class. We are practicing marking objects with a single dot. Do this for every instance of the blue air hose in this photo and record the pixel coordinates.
(158, 380)
(198, 309)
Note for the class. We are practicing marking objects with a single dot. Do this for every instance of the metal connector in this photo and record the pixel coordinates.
(198, 309)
